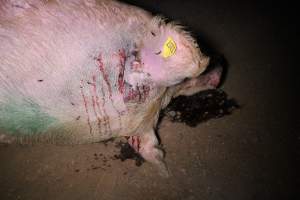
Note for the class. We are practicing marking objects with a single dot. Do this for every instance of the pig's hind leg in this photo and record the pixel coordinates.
(147, 146)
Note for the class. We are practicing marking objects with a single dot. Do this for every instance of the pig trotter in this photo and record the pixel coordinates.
(147, 145)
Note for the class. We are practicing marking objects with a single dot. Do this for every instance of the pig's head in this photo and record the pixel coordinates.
(168, 54)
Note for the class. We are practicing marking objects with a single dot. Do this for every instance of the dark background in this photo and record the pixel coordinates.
(251, 154)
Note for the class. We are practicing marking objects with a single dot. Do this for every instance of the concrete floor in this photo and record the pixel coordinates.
(250, 154)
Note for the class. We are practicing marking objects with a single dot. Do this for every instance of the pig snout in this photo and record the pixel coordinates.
(208, 80)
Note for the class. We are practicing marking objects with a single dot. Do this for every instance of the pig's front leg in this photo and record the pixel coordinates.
(146, 144)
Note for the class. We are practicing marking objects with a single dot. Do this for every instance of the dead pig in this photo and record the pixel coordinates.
(84, 71)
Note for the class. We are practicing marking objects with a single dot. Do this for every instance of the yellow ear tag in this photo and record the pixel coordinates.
(169, 48)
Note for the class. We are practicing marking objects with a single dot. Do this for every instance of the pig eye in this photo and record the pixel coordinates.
(152, 33)
(157, 53)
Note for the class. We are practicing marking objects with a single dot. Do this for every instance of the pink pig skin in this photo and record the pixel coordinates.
(93, 68)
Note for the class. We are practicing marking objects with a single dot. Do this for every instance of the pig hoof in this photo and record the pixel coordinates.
(163, 169)
(147, 146)
(155, 156)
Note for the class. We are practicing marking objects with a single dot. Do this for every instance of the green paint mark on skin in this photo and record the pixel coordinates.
(24, 118)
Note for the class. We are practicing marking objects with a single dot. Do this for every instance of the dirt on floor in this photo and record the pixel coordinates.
(248, 154)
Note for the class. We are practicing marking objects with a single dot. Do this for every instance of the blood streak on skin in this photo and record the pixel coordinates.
(95, 102)
(86, 106)
(135, 142)
(122, 58)
(105, 117)
(146, 90)
(140, 94)
(139, 143)
(132, 141)
(132, 95)
(106, 124)
(105, 77)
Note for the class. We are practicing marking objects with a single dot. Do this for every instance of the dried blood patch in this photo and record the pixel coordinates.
(127, 152)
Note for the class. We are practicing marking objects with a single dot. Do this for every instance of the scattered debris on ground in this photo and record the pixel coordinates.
(127, 152)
